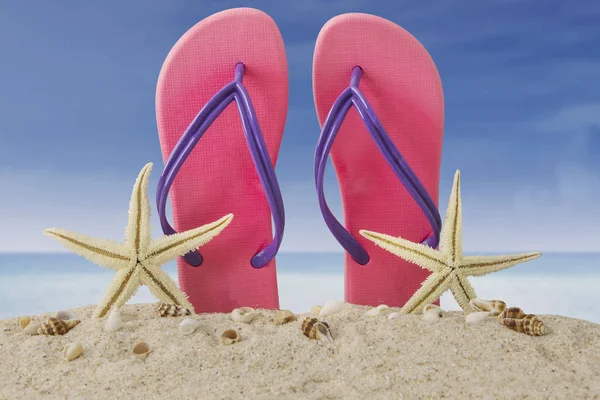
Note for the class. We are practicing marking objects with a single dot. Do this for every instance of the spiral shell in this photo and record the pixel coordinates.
(188, 325)
(512, 312)
(283, 317)
(315, 329)
(243, 314)
(141, 350)
(72, 351)
(114, 321)
(529, 325)
(57, 326)
(172, 310)
(376, 310)
(230, 336)
(494, 307)
(331, 307)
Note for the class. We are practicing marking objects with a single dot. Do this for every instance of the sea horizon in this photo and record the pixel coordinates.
(562, 283)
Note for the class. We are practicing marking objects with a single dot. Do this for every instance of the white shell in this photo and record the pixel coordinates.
(376, 310)
(316, 310)
(72, 351)
(243, 314)
(394, 315)
(188, 325)
(432, 313)
(476, 317)
(114, 322)
(32, 328)
(63, 315)
(331, 307)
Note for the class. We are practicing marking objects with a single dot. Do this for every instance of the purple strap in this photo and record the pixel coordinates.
(353, 96)
(234, 91)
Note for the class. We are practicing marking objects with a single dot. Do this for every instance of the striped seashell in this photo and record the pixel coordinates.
(529, 325)
(56, 326)
(494, 307)
(512, 312)
(315, 329)
(172, 310)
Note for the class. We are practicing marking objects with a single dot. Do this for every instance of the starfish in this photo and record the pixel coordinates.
(449, 267)
(138, 260)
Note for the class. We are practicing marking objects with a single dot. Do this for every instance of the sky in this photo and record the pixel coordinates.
(522, 101)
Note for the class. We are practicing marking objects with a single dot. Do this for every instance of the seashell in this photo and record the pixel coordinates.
(24, 321)
(33, 328)
(432, 313)
(512, 312)
(57, 326)
(476, 317)
(315, 329)
(284, 316)
(316, 310)
(172, 310)
(230, 336)
(188, 325)
(432, 307)
(141, 350)
(331, 307)
(494, 307)
(64, 315)
(114, 322)
(243, 314)
(529, 325)
(72, 351)
(376, 310)
(394, 315)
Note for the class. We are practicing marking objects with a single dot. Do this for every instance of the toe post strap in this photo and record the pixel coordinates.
(353, 96)
(233, 91)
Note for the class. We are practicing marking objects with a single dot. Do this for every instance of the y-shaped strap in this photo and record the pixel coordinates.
(353, 96)
(234, 91)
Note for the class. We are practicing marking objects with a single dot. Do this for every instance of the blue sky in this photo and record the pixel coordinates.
(522, 94)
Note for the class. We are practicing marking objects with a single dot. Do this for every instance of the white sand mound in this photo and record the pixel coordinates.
(372, 357)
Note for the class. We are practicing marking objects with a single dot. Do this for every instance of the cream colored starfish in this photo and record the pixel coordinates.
(449, 267)
(138, 260)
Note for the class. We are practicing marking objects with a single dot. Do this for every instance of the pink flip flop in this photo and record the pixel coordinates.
(232, 56)
(379, 68)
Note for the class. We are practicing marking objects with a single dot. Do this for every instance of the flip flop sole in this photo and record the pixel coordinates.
(402, 84)
(219, 176)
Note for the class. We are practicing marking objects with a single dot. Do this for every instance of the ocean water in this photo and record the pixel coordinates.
(565, 284)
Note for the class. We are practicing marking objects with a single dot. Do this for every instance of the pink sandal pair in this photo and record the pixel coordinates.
(368, 74)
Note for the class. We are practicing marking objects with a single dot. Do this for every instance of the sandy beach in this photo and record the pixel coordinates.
(371, 357)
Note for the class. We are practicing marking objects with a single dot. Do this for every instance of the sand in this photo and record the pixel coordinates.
(372, 357)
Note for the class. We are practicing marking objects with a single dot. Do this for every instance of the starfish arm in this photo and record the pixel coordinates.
(463, 292)
(163, 287)
(169, 247)
(103, 252)
(138, 233)
(423, 256)
(431, 289)
(123, 286)
(484, 265)
(451, 237)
